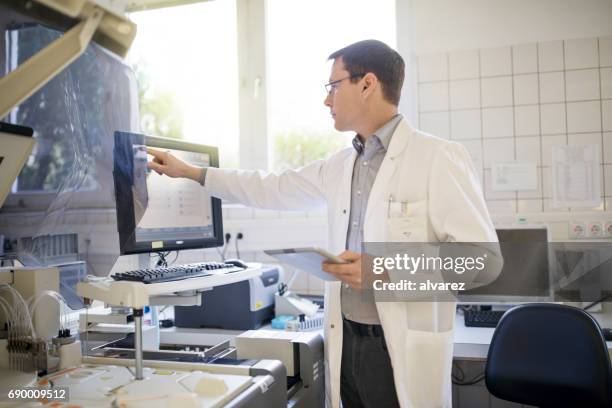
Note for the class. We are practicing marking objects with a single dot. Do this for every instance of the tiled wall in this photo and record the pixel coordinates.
(514, 103)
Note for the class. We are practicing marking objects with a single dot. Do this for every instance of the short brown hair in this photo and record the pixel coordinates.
(378, 58)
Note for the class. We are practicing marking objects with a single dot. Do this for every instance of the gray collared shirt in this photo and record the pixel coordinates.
(359, 305)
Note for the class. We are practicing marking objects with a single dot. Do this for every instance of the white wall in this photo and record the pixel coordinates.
(434, 26)
(433, 34)
(450, 25)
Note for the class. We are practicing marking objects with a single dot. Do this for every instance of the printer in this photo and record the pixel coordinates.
(244, 305)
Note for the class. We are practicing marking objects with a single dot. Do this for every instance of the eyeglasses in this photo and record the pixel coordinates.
(334, 84)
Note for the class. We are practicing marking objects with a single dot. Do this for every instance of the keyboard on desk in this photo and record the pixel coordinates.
(173, 273)
(482, 318)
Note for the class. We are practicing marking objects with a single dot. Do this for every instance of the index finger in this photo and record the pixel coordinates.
(155, 152)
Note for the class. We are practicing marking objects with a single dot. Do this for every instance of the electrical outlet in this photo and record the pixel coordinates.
(595, 229)
(577, 230)
(608, 229)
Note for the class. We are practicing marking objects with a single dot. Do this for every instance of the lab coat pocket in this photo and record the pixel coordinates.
(407, 221)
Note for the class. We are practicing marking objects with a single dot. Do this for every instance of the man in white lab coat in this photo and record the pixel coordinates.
(381, 354)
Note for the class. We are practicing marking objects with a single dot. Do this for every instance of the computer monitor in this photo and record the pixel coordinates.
(526, 274)
(156, 213)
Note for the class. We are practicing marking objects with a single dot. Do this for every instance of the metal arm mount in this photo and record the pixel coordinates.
(115, 33)
(30, 76)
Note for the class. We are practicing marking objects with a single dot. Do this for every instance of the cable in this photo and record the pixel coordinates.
(590, 305)
(238, 238)
(459, 378)
(161, 262)
(478, 378)
(175, 257)
(20, 313)
(34, 301)
(237, 250)
(8, 312)
(228, 238)
(220, 254)
(20, 329)
(163, 311)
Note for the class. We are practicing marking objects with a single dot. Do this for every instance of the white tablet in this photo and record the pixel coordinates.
(307, 259)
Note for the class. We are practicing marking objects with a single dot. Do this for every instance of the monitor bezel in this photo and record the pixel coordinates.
(128, 244)
(501, 300)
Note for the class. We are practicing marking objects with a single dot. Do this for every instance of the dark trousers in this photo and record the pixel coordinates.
(366, 378)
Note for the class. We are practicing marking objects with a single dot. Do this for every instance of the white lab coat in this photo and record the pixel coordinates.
(438, 177)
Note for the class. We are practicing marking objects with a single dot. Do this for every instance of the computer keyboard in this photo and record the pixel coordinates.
(173, 273)
(482, 318)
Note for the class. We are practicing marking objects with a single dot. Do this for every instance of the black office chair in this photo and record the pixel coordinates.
(549, 355)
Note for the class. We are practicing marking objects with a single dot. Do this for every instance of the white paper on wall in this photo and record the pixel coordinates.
(575, 176)
(514, 176)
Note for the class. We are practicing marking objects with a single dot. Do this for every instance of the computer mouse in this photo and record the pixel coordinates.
(607, 333)
(236, 262)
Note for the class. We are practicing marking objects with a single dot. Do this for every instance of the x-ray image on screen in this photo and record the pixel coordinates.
(158, 213)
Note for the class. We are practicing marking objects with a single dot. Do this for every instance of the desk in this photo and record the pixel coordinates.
(470, 352)
(472, 343)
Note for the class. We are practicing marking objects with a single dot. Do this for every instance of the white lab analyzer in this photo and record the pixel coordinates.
(33, 352)
(206, 375)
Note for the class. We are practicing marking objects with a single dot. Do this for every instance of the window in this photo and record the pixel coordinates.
(300, 37)
(186, 64)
